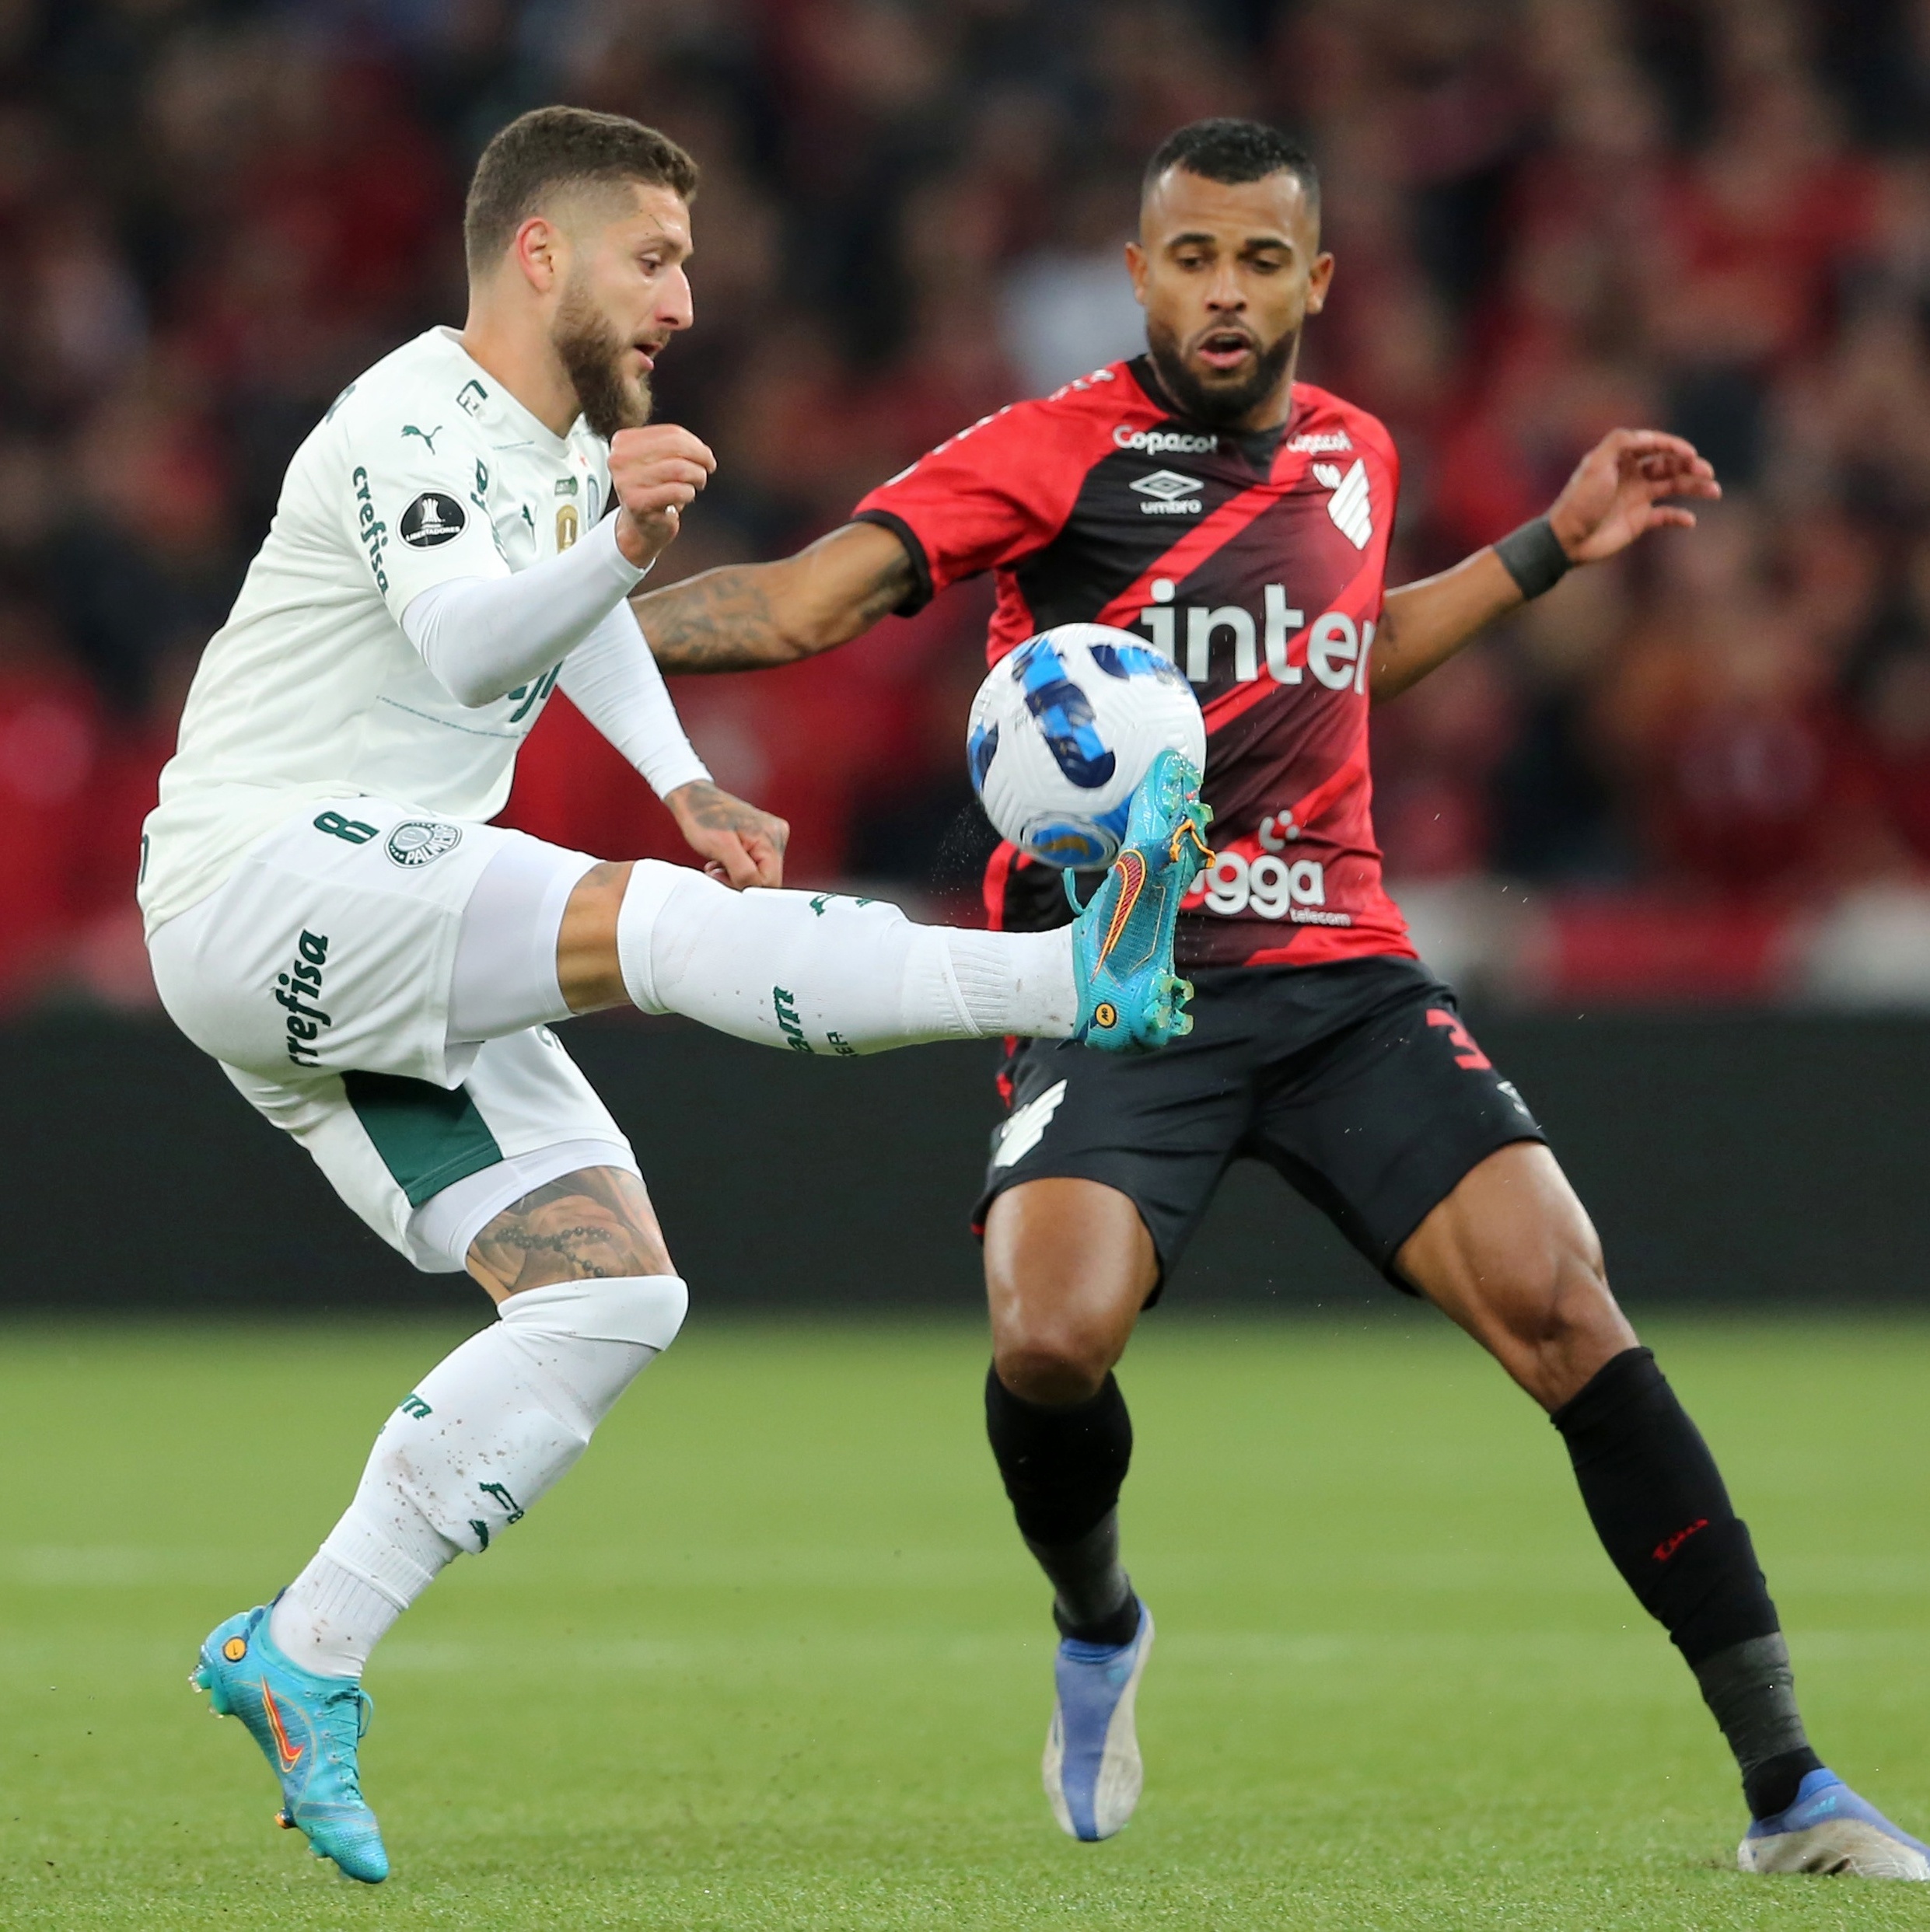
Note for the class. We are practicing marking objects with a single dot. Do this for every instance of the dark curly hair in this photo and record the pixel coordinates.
(1223, 149)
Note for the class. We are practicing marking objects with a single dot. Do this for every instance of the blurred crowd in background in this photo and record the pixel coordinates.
(1704, 771)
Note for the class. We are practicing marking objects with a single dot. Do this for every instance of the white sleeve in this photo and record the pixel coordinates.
(484, 636)
(613, 680)
(414, 502)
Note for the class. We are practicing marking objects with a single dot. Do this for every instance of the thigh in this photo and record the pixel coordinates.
(1378, 1122)
(592, 1223)
(1068, 1266)
(332, 944)
(1511, 1257)
(427, 1166)
(1158, 1129)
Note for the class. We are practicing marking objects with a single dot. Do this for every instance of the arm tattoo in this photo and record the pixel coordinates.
(589, 1225)
(723, 621)
(717, 811)
(720, 621)
(887, 590)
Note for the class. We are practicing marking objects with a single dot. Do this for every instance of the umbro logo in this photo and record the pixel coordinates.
(1172, 494)
(1168, 484)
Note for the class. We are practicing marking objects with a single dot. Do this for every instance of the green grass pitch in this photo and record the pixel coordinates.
(772, 1656)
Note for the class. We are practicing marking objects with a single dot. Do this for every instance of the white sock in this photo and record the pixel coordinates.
(822, 973)
(1019, 982)
(487, 1431)
(376, 1561)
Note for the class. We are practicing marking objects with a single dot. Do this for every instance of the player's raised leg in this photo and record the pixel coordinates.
(1511, 1255)
(502, 1160)
(821, 973)
(586, 1299)
(1068, 1266)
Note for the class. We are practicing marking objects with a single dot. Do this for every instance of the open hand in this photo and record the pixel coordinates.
(1618, 491)
(656, 472)
(737, 843)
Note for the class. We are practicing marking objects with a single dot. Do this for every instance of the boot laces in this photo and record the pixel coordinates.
(364, 1710)
(1184, 831)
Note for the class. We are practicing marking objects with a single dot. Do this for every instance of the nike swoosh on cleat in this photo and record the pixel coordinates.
(290, 1754)
(1131, 866)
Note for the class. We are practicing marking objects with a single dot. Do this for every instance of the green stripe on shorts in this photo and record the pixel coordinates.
(428, 1136)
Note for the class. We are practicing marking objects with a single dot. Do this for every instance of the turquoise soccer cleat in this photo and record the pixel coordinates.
(1130, 1001)
(1091, 1767)
(308, 1727)
(1829, 1828)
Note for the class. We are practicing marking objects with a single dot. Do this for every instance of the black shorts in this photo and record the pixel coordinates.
(1356, 1082)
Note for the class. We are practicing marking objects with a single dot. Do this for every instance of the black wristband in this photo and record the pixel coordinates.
(1533, 556)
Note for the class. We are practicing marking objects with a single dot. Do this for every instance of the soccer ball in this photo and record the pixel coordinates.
(1063, 731)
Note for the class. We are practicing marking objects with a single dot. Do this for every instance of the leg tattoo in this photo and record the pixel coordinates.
(593, 1225)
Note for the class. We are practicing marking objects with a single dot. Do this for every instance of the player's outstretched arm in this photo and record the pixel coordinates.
(1619, 490)
(747, 616)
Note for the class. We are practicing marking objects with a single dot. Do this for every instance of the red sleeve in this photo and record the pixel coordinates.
(1372, 434)
(997, 492)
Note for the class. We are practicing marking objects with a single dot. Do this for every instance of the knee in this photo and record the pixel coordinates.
(1052, 1360)
(644, 1310)
(589, 968)
(1068, 1266)
(1560, 1322)
(1555, 1298)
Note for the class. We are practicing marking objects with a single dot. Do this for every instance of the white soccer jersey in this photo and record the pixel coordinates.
(424, 469)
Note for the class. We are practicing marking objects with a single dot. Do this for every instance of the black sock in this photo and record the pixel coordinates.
(1063, 1467)
(1658, 1504)
(1092, 1597)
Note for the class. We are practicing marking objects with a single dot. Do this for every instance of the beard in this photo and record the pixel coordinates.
(1217, 405)
(592, 353)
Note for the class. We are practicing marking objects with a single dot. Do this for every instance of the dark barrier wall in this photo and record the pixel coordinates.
(1723, 1159)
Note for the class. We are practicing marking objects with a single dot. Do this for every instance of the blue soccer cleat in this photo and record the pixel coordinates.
(308, 1727)
(1130, 1001)
(1092, 1768)
(1829, 1828)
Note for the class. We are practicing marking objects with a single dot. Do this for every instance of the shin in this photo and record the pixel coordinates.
(481, 1438)
(821, 973)
(1661, 1508)
(1068, 1265)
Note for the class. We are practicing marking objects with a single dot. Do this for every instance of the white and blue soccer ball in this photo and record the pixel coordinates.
(1063, 731)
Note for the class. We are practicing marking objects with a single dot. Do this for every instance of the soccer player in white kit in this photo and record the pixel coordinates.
(377, 967)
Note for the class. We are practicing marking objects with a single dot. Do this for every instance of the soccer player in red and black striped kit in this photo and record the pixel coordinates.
(1200, 496)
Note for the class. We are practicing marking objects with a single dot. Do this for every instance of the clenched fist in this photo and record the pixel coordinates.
(656, 472)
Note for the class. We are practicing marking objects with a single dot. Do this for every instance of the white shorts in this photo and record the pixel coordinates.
(320, 974)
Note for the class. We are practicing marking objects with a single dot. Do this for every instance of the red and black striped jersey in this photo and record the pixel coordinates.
(1257, 562)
